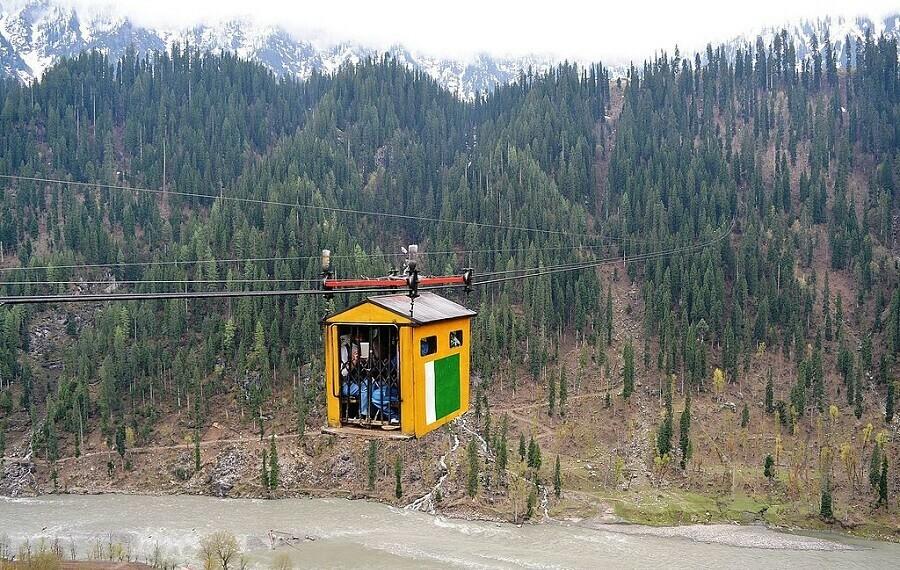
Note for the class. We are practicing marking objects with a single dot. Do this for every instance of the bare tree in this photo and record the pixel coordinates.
(219, 550)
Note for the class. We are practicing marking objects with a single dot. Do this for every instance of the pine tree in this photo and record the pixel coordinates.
(274, 468)
(551, 395)
(770, 394)
(534, 454)
(522, 449)
(609, 315)
(684, 437)
(557, 479)
(874, 466)
(826, 309)
(665, 430)
(398, 479)
(530, 504)
(889, 403)
(486, 429)
(264, 474)
(745, 416)
(825, 504)
(839, 317)
(473, 469)
(196, 450)
(882, 482)
(120, 440)
(628, 370)
(563, 391)
(503, 447)
(373, 464)
(769, 467)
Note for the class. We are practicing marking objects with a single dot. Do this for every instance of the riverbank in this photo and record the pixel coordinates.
(338, 532)
(433, 481)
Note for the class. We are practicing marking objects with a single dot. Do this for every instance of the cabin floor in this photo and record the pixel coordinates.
(368, 433)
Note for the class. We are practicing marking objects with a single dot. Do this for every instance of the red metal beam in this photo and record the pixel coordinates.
(448, 280)
(397, 282)
(354, 283)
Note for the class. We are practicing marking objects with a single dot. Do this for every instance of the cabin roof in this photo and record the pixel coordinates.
(428, 307)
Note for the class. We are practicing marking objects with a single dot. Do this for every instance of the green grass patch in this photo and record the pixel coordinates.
(661, 508)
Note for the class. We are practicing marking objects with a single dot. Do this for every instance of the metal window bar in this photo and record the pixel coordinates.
(370, 375)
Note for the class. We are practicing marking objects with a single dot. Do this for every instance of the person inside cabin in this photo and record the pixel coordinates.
(385, 379)
(352, 381)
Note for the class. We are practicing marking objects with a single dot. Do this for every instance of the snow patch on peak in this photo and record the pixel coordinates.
(37, 33)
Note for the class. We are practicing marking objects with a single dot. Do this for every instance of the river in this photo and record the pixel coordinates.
(338, 533)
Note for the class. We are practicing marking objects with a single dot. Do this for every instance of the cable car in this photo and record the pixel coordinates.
(398, 362)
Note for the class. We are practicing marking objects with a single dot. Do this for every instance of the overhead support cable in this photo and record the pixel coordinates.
(87, 298)
(331, 209)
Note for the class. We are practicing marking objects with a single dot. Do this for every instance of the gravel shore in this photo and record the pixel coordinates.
(731, 535)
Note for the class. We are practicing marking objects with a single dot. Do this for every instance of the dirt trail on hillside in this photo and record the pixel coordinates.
(543, 431)
(155, 448)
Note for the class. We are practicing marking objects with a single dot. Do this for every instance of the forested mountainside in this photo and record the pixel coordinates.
(375, 137)
(786, 168)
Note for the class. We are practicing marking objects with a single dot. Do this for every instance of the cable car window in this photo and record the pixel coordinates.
(428, 345)
(456, 339)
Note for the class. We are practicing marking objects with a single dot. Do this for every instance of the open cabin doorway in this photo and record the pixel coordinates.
(369, 375)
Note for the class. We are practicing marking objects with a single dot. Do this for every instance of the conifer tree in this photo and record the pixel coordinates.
(770, 393)
(534, 454)
(769, 467)
(628, 370)
(889, 403)
(609, 315)
(551, 395)
(522, 449)
(745, 416)
(473, 469)
(557, 479)
(563, 391)
(882, 482)
(684, 437)
(486, 429)
(120, 440)
(875, 466)
(196, 450)
(503, 447)
(274, 468)
(264, 473)
(826, 309)
(839, 317)
(825, 509)
(665, 430)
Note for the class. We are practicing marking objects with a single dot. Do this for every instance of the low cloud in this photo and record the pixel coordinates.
(565, 29)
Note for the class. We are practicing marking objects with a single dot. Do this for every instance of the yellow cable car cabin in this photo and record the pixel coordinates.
(396, 369)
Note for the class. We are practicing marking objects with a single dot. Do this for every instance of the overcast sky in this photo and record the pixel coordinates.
(580, 30)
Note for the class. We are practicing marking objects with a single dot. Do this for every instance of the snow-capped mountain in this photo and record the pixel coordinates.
(837, 29)
(36, 33)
